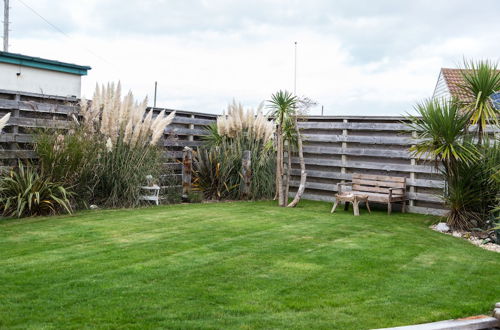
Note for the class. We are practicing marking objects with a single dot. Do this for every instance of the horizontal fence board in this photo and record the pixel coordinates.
(354, 126)
(194, 121)
(38, 107)
(38, 123)
(186, 131)
(390, 140)
(357, 152)
(368, 165)
(182, 143)
(426, 210)
(13, 154)
(16, 138)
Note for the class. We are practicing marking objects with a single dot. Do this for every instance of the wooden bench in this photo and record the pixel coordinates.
(378, 188)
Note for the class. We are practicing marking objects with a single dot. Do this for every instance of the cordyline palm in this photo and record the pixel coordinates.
(481, 80)
(440, 128)
(282, 107)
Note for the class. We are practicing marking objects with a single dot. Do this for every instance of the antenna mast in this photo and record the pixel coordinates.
(5, 25)
(295, 72)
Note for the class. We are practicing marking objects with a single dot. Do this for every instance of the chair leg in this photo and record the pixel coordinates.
(403, 207)
(389, 208)
(355, 206)
(334, 206)
(368, 206)
(346, 206)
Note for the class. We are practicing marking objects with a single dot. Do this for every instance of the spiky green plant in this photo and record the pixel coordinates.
(481, 80)
(440, 127)
(442, 136)
(25, 192)
(216, 174)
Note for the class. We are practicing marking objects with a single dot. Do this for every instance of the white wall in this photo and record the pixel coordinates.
(39, 81)
(441, 90)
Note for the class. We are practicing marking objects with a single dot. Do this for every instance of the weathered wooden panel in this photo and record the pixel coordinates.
(338, 147)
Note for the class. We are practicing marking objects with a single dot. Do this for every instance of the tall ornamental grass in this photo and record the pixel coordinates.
(109, 152)
(217, 165)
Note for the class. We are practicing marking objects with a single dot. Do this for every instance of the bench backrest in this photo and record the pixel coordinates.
(378, 183)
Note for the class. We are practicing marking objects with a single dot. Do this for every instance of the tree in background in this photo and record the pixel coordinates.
(286, 109)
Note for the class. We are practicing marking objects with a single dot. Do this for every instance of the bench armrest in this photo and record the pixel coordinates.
(392, 189)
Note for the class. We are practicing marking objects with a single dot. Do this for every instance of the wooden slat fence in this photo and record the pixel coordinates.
(29, 111)
(336, 147)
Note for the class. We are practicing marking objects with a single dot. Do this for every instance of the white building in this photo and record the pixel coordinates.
(37, 75)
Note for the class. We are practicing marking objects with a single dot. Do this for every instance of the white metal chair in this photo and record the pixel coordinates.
(151, 191)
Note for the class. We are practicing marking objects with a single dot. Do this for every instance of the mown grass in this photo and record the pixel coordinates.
(238, 265)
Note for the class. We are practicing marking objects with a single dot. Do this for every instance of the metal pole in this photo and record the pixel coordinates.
(295, 72)
(156, 87)
(5, 25)
(321, 110)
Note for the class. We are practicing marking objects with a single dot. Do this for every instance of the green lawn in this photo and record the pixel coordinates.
(238, 265)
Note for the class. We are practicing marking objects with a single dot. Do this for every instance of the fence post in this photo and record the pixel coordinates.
(15, 129)
(187, 169)
(413, 162)
(191, 126)
(344, 147)
(246, 172)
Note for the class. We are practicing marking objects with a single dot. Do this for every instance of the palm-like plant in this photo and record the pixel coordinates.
(282, 107)
(441, 132)
(482, 79)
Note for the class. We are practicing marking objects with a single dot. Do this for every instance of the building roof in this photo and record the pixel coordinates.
(454, 79)
(42, 63)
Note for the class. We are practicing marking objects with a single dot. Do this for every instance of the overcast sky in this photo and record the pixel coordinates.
(373, 57)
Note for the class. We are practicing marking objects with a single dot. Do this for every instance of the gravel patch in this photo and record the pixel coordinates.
(469, 236)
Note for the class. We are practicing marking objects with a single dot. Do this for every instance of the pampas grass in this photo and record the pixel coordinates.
(239, 121)
(113, 116)
(111, 150)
